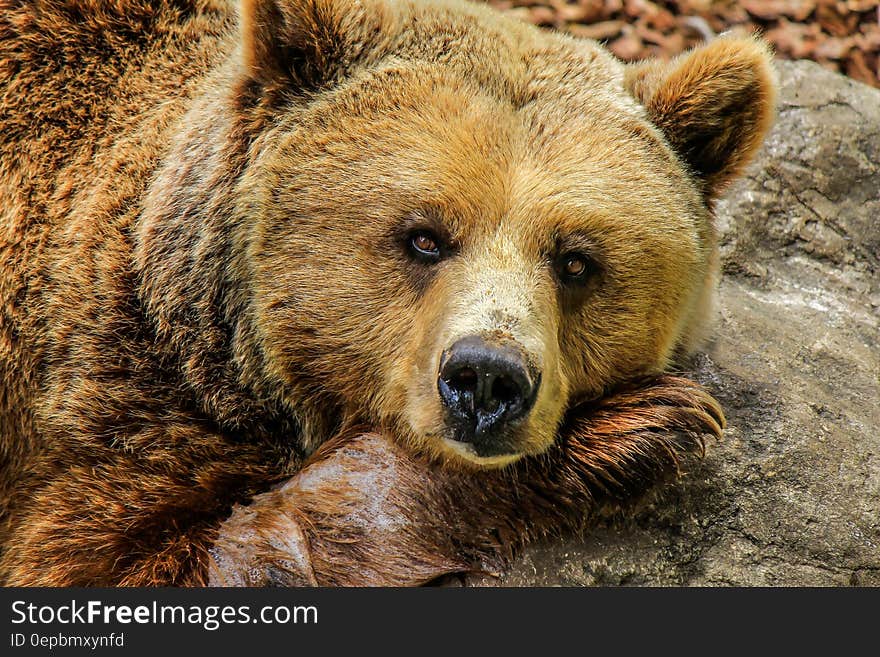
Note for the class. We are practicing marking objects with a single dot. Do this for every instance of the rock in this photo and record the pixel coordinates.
(791, 496)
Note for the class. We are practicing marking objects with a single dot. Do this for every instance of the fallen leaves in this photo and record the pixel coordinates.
(842, 35)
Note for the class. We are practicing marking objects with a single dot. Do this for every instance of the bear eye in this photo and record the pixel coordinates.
(424, 245)
(576, 267)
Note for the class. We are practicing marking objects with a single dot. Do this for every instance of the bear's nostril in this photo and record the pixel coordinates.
(505, 390)
(464, 380)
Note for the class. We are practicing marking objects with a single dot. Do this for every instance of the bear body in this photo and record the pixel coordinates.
(230, 233)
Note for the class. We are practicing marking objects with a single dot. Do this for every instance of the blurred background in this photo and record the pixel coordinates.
(841, 35)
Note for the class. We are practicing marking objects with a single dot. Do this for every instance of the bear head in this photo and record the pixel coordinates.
(455, 225)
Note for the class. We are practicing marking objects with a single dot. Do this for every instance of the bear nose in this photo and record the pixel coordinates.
(485, 388)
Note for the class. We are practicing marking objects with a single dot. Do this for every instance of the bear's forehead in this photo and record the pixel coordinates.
(501, 122)
(557, 97)
(477, 163)
(511, 60)
(430, 128)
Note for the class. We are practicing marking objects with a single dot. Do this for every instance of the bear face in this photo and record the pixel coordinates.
(455, 226)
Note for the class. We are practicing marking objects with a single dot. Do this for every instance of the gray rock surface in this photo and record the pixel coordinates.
(791, 496)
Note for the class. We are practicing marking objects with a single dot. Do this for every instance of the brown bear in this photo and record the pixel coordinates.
(395, 275)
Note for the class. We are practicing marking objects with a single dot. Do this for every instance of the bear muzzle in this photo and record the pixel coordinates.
(487, 389)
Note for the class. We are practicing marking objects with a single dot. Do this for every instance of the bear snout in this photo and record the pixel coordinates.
(486, 389)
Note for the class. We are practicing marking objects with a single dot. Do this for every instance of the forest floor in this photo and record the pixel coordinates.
(841, 35)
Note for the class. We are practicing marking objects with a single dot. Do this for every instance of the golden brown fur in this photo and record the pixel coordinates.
(199, 281)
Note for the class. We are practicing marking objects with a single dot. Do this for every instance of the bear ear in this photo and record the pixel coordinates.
(307, 43)
(714, 104)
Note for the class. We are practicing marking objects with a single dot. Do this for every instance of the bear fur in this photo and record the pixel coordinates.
(203, 294)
